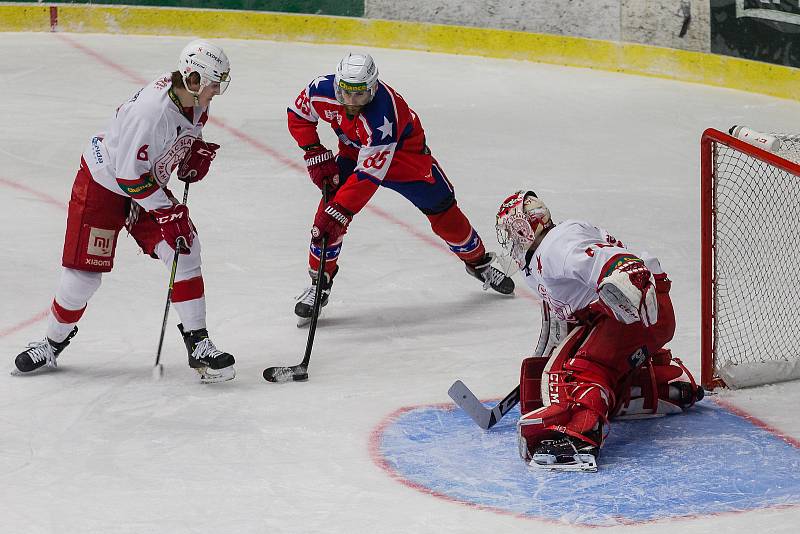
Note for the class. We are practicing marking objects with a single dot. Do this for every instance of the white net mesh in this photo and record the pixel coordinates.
(757, 267)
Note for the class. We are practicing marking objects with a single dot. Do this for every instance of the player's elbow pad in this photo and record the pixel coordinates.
(630, 294)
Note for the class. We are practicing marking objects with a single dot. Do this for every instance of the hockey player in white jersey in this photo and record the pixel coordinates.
(122, 182)
(606, 318)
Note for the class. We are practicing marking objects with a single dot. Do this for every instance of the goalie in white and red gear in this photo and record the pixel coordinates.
(122, 183)
(615, 306)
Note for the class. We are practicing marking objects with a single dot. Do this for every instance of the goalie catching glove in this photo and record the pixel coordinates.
(630, 294)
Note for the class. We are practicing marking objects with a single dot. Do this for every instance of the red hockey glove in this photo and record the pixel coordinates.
(322, 167)
(194, 166)
(331, 223)
(174, 223)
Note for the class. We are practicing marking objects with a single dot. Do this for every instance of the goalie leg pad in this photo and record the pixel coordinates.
(575, 398)
(530, 383)
(664, 386)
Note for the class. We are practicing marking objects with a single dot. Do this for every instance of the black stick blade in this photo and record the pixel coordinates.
(296, 373)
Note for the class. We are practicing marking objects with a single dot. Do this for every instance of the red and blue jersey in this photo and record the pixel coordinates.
(386, 139)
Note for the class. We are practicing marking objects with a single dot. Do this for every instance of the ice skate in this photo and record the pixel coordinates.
(211, 364)
(684, 394)
(565, 454)
(491, 276)
(305, 302)
(40, 354)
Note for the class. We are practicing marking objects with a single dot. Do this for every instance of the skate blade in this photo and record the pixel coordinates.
(305, 321)
(41, 370)
(212, 376)
(581, 462)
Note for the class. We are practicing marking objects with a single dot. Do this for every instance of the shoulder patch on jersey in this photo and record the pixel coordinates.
(322, 86)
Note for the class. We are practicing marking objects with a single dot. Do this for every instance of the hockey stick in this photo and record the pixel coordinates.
(299, 372)
(158, 368)
(484, 417)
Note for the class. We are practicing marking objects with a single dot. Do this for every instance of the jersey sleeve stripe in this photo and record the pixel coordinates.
(367, 129)
(139, 188)
(325, 100)
(310, 118)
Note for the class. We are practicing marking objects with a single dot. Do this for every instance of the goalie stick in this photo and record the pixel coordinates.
(553, 332)
(484, 417)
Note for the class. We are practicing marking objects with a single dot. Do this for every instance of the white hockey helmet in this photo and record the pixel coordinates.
(209, 61)
(521, 219)
(356, 73)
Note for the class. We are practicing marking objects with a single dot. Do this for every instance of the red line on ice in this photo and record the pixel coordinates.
(44, 197)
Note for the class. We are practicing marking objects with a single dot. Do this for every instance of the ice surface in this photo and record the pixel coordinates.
(100, 447)
(702, 462)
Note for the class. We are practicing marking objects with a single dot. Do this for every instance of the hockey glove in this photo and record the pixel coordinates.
(195, 164)
(630, 294)
(322, 167)
(175, 225)
(330, 222)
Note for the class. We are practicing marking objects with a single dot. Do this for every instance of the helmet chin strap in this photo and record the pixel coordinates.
(195, 94)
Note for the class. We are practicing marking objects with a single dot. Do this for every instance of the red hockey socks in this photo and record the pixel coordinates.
(454, 227)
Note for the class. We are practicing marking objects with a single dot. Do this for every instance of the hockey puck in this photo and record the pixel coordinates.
(285, 374)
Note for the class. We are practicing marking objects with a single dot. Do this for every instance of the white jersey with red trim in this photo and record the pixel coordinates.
(146, 140)
(569, 264)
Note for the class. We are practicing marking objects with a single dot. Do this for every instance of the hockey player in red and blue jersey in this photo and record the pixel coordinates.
(381, 143)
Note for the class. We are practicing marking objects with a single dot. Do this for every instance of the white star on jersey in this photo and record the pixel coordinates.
(318, 80)
(386, 129)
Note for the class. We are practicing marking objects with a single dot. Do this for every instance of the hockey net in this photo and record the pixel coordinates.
(750, 261)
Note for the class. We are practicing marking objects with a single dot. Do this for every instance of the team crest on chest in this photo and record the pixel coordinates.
(166, 163)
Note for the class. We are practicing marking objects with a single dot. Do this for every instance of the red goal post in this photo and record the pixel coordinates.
(750, 261)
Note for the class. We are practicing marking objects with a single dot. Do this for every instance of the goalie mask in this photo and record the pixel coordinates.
(521, 219)
(357, 76)
(207, 60)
